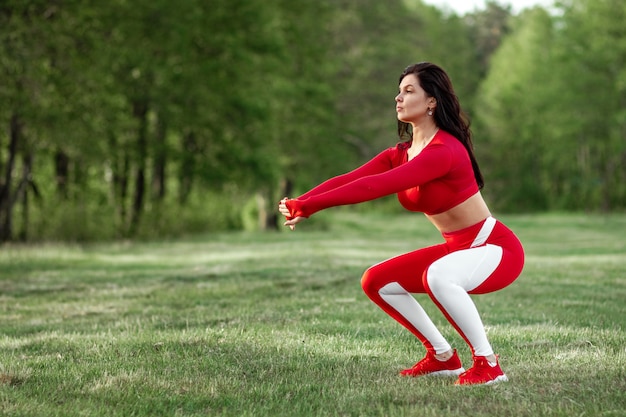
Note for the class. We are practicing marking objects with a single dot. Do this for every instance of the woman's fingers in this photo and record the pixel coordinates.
(282, 208)
(292, 222)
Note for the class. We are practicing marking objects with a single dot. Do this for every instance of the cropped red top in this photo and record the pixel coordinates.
(438, 178)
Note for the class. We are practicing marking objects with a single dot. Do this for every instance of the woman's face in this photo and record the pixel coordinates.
(412, 102)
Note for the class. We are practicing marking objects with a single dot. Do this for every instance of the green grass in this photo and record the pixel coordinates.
(276, 325)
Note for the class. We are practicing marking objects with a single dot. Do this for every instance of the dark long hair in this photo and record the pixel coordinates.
(448, 114)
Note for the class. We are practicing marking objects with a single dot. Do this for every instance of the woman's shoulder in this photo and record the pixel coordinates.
(448, 140)
(445, 137)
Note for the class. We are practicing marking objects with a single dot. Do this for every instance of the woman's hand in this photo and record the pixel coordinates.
(291, 222)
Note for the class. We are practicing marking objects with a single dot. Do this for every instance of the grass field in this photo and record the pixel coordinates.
(276, 324)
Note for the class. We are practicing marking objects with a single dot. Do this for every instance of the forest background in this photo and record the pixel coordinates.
(152, 118)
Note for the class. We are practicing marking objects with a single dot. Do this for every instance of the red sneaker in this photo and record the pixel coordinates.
(430, 365)
(482, 373)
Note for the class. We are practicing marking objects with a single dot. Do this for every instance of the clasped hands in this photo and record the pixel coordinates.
(284, 210)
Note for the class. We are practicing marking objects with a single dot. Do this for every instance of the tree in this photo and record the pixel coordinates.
(511, 113)
(488, 28)
(553, 108)
(590, 108)
(27, 65)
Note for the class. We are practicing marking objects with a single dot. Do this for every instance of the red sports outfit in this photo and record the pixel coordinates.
(436, 180)
(482, 258)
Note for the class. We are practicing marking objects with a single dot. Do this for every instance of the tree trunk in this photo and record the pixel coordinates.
(140, 111)
(120, 167)
(187, 166)
(22, 194)
(270, 217)
(6, 199)
(160, 160)
(62, 170)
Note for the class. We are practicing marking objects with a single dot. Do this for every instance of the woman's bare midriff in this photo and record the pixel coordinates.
(468, 213)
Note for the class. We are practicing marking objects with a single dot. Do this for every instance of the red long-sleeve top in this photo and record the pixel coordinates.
(438, 178)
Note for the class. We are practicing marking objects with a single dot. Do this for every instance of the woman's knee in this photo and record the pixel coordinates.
(370, 281)
(377, 276)
(434, 277)
(405, 270)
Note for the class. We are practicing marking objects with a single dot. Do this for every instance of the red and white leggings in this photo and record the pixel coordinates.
(479, 259)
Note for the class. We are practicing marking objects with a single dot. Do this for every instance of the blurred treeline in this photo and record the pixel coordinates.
(152, 118)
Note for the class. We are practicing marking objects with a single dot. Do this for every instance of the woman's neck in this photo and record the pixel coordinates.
(422, 135)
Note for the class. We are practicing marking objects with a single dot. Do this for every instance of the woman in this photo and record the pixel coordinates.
(434, 172)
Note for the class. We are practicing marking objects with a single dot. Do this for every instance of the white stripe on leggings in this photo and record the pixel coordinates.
(484, 232)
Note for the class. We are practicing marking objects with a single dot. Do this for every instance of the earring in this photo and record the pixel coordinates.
(430, 112)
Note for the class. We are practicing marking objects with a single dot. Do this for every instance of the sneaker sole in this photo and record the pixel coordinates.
(446, 372)
(499, 378)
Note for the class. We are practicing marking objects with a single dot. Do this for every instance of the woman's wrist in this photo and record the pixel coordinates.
(296, 208)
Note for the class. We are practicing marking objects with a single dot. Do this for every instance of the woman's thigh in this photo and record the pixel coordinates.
(407, 270)
(477, 270)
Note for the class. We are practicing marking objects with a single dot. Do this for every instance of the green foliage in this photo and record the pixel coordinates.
(512, 114)
(592, 51)
(124, 110)
(259, 324)
(553, 110)
(83, 219)
(209, 211)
